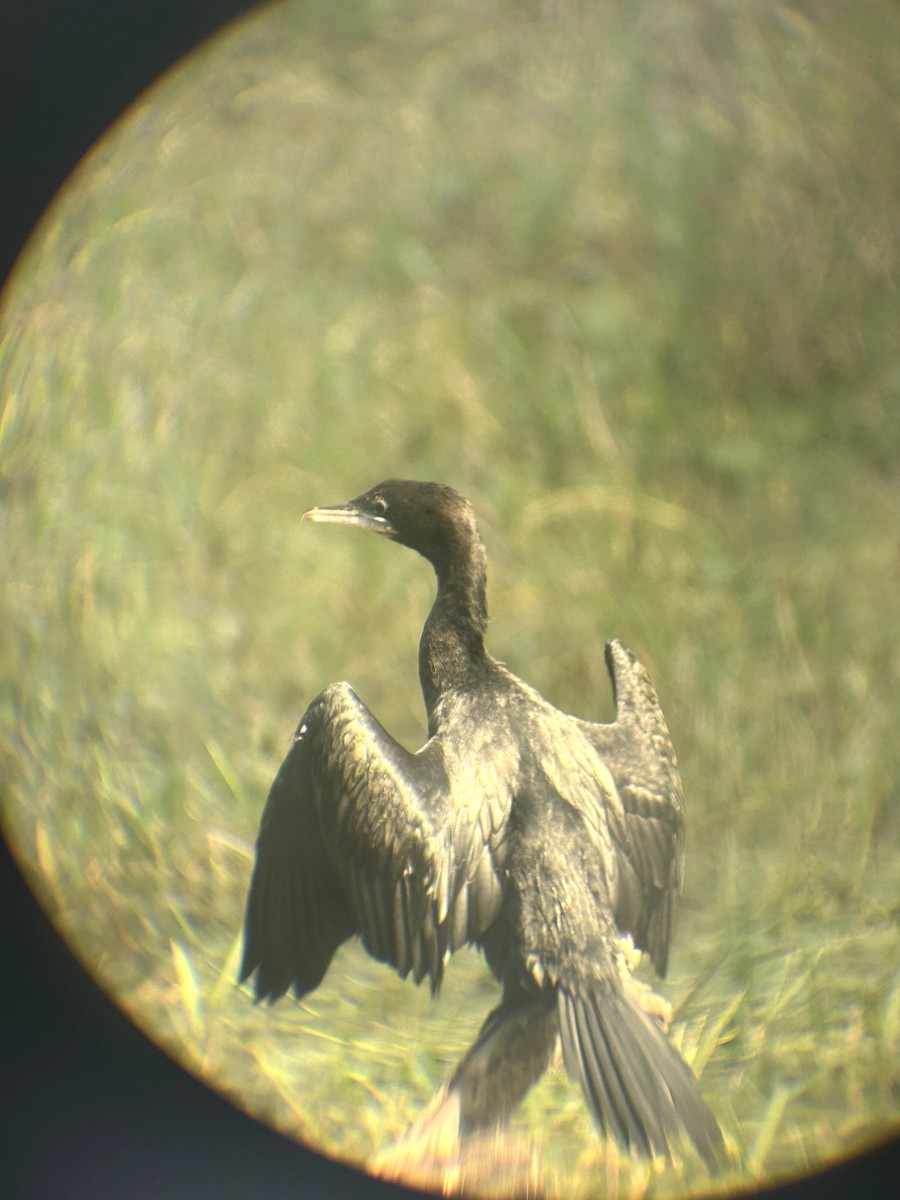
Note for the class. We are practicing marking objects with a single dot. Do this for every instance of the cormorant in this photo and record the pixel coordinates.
(541, 838)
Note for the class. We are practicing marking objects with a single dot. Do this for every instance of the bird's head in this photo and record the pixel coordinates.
(431, 518)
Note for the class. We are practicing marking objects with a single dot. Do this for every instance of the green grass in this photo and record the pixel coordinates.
(625, 276)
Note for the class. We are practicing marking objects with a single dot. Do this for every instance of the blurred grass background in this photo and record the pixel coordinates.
(626, 276)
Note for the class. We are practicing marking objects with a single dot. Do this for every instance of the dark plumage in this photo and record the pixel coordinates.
(541, 838)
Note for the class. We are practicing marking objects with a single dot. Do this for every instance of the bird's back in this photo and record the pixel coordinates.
(541, 793)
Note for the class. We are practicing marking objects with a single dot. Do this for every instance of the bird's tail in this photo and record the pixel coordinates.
(638, 1087)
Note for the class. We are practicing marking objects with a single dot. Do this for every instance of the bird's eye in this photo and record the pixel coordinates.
(379, 504)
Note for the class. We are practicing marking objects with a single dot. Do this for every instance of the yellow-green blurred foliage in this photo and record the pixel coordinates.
(625, 274)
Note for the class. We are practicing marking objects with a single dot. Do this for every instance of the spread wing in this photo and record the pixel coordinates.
(360, 836)
(649, 833)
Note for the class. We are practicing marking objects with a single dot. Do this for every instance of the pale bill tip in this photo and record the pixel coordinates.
(337, 515)
(341, 514)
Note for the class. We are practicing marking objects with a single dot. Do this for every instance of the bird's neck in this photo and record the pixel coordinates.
(451, 650)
